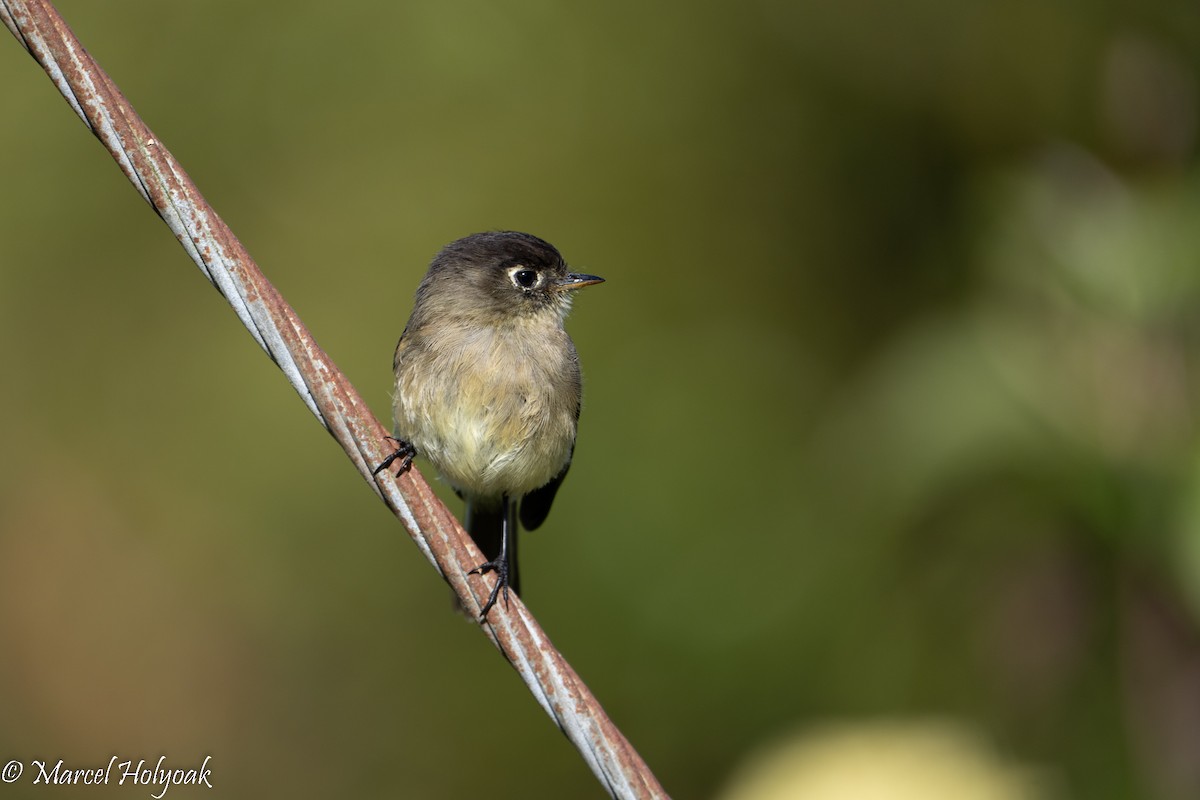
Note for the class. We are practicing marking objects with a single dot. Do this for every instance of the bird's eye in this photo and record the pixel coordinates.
(525, 278)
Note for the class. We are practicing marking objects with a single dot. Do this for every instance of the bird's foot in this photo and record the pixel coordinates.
(404, 453)
(500, 567)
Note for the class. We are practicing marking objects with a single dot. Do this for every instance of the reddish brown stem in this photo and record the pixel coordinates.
(155, 173)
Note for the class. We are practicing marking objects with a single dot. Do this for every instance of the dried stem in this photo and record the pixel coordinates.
(323, 388)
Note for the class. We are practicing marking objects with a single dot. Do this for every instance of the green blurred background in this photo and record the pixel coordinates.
(889, 450)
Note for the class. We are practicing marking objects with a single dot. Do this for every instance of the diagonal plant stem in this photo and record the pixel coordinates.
(162, 182)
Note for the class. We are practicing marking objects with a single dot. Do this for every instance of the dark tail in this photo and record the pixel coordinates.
(486, 526)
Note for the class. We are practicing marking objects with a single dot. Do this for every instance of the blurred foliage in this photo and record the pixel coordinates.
(890, 408)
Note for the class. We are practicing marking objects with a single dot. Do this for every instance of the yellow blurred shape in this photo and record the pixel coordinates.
(884, 760)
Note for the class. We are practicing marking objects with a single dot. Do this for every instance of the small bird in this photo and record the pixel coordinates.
(488, 386)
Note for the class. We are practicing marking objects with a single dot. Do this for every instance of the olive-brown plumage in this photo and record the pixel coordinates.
(488, 384)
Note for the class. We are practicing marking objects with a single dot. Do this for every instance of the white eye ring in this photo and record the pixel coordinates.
(524, 278)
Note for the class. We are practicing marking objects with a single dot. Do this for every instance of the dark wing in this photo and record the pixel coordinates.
(399, 349)
(535, 506)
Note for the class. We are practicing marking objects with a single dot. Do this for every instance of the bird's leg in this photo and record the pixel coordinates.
(500, 564)
(404, 451)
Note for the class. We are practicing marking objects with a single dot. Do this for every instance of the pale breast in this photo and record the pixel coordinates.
(494, 410)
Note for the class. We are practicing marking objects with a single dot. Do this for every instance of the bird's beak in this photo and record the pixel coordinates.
(575, 280)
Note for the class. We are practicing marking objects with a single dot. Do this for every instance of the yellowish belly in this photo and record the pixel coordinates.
(489, 418)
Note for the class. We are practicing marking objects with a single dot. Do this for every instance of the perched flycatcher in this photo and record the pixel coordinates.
(488, 387)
